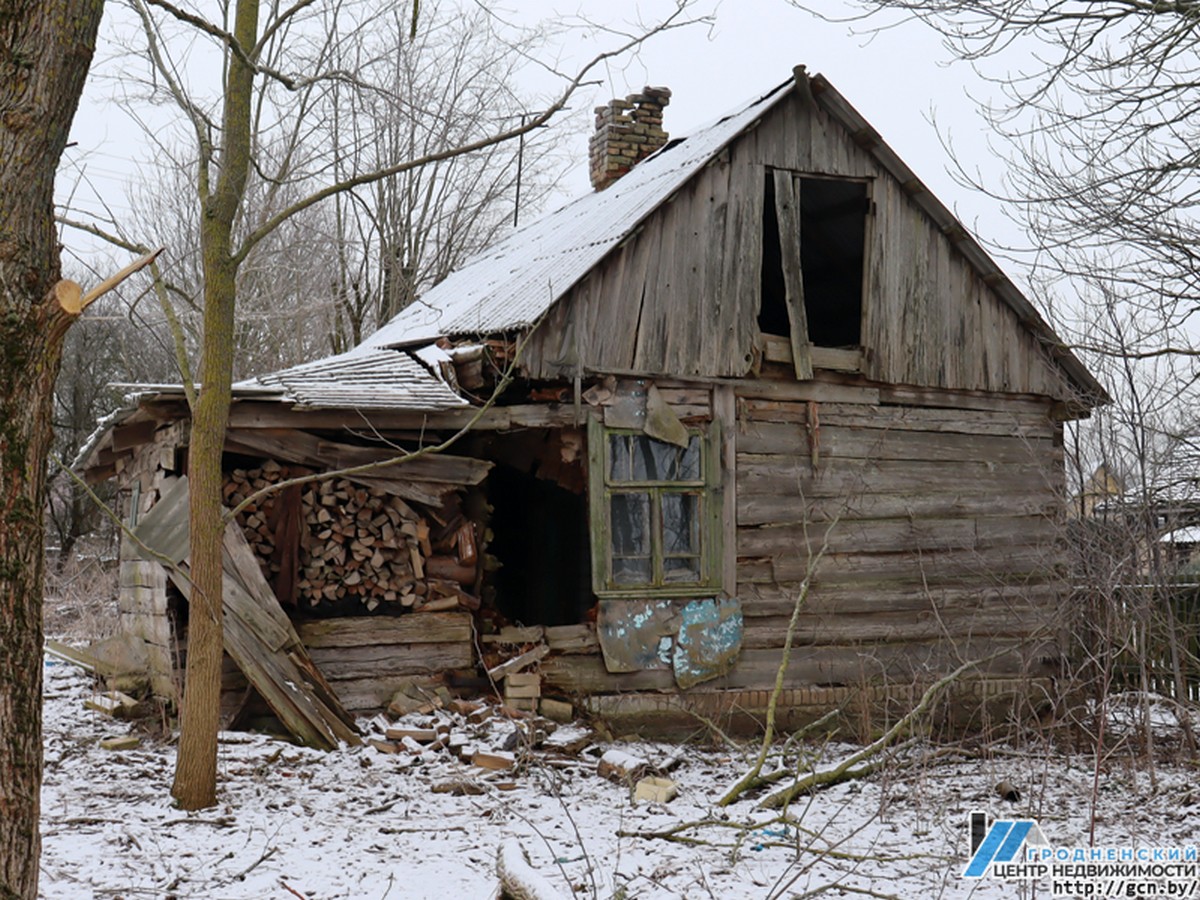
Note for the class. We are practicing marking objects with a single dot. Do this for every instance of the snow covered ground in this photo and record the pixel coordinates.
(362, 824)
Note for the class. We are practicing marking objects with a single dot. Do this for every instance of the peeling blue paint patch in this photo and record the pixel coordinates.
(709, 640)
(696, 639)
(632, 634)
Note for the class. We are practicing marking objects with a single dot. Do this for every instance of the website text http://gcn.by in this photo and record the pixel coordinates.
(1017, 850)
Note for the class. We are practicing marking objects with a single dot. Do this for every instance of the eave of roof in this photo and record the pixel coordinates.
(380, 379)
(365, 379)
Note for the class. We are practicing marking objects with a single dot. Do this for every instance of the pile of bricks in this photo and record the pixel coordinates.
(627, 131)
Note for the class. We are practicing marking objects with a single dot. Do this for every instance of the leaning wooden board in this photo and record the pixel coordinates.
(258, 634)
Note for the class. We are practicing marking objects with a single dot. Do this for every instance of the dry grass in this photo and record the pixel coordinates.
(81, 596)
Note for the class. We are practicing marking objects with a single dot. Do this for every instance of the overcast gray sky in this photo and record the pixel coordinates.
(896, 79)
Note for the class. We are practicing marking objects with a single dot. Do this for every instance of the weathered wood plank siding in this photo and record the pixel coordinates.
(681, 296)
(941, 523)
(936, 524)
(366, 659)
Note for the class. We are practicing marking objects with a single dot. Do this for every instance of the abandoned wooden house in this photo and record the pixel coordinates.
(759, 373)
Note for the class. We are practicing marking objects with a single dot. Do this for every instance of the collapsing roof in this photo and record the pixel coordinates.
(511, 286)
(378, 379)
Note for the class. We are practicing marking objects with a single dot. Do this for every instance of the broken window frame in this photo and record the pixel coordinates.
(707, 487)
(805, 354)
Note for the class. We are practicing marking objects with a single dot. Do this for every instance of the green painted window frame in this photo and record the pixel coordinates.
(708, 487)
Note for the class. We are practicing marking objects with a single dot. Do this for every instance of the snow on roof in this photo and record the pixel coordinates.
(1189, 534)
(370, 379)
(512, 283)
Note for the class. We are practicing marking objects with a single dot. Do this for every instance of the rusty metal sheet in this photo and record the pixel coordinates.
(661, 422)
(636, 635)
(709, 640)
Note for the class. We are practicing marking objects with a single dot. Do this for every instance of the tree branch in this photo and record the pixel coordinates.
(160, 291)
(269, 226)
(291, 82)
(846, 769)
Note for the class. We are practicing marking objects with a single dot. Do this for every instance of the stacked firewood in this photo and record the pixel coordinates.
(331, 541)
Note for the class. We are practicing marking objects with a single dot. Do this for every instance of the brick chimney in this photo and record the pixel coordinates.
(627, 131)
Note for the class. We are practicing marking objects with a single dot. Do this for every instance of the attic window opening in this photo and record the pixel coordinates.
(827, 219)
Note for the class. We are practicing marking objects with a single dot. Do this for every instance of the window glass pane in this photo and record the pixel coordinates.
(645, 461)
(680, 523)
(631, 570)
(630, 524)
(666, 460)
(631, 541)
(688, 461)
(659, 461)
(618, 454)
(678, 569)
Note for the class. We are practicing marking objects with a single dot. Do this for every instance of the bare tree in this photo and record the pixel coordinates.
(45, 51)
(333, 273)
(112, 344)
(1095, 105)
(405, 233)
(278, 65)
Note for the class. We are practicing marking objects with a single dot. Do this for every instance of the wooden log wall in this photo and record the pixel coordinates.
(366, 660)
(939, 521)
(939, 532)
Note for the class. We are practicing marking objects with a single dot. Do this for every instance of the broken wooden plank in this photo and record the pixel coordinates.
(257, 632)
(515, 634)
(79, 658)
(787, 212)
(302, 447)
(572, 638)
(517, 663)
(364, 631)
(165, 527)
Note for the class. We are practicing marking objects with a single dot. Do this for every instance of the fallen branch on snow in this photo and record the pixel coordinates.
(846, 770)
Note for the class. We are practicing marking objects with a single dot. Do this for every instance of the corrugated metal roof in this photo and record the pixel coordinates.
(510, 285)
(379, 379)
(1189, 534)
(363, 379)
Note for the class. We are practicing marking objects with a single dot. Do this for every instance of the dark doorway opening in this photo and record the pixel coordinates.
(540, 537)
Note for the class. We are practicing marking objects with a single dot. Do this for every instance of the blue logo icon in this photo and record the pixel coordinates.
(1002, 842)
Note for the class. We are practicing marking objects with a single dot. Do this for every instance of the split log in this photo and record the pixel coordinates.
(517, 663)
(326, 543)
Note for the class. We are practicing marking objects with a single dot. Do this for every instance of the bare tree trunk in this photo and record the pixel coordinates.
(45, 50)
(195, 785)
